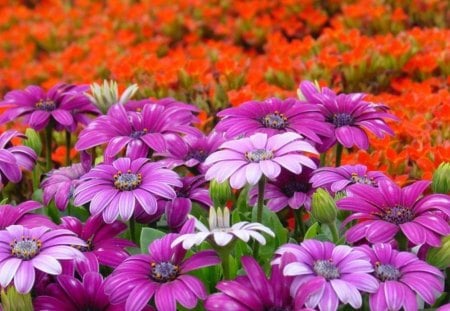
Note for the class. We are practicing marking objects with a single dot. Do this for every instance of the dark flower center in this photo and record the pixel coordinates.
(287, 308)
(199, 155)
(398, 215)
(137, 134)
(127, 181)
(46, 105)
(327, 269)
(274, 120)
(26, 248)
(258, 155)
(386, 272)
(183, 192)
(87, 248)
(341, 119)
(295, 186)
(164, 271)
(356, 179)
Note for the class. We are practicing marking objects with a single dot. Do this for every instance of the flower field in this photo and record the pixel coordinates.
(224, 155)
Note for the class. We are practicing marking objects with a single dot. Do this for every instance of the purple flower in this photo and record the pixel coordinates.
(348, 115)
(325, 274)
(115, 189)
(139, 132)
(161, 274)
(388, 209)
(253, 292)
(288, 189)
(191, 151)
(14, 158)
(23, 250)
(247, 159)
(402, 276)
(339, 178)
(21, 215)
(102, 244)
(64, 104)
(273, 116)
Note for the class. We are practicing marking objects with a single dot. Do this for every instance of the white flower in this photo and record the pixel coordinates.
(106, 95)
(221, 233)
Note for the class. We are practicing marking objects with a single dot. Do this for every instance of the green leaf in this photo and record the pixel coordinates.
(148, 235)
(312, 231)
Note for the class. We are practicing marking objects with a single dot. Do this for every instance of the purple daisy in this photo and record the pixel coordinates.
(384, 211)
(161, 274)
(140, 132)
(21, 215)
(253, 291)
(402, 277)
(23, 250)
(14, 158)
(273, 116)
(115, 189)
(348, 115)
(326, 274)
(339, 178)
(287, 190)
(102, 244)
(248, 159)
(64, 104)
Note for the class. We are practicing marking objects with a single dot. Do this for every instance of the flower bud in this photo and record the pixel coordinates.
(441, 179)
(14, 301)
(33, 141)
(440, 257)
(220, 193)
(323, 207)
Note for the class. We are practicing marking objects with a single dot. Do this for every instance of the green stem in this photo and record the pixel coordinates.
(225, 257)
(339, 149)
(132, 231)
(402, 242)
(259, 211)
(68, 146)
(48, 148)
(323, 157)
(334, 231)
(299, 225)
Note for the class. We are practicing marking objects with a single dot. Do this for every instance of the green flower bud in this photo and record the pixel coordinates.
(441, 179)
(33, 141)
(323, 207)
(13, 301)
(440, 257)
(106, 95)
(220, 193)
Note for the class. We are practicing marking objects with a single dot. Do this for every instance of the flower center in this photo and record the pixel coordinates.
(398, 215)
(356, 179)
(137, 134)
(274, 120)
(87, 248)
(199, 155)
(288, 308)
(127, 181)
(386, 272)
(164, 271)
(341, 119)
(258, 155)
(327, 269)
(26, 248)
(46, 105)
(295, 186)
(182, 192)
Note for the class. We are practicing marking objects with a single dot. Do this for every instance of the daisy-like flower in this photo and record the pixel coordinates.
(103, 246)
(106, 95)
(221, 233)
(161, 274)
(273, 116)
(140, 132)
(14, 158)
(326, 274)
(23, 250)
(384, 211)
(22, 215)
(248, 159)
(64, 104)
(348, 115)
(115, 189)
(402, 277)
(287, 190)
(339, 178)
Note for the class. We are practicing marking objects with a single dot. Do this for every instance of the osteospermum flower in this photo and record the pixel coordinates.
(339, 178)
(23, 250)
(273, 116)
(14, 158)
(103, 246)
(402, 277)
(248, 159)
(161, 274)
(348, 115)
(115, 189)
(22, 215)
(64, 104)
(326, 275)
(221, 233)
(388, 209)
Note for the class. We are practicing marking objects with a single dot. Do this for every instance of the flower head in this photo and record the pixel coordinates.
(402, 276)
(21, 215)
(248, 159)
(115, 189)
(24, 250)
(14, 158)
(106, 95)
(221, 233)
(388, 209)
